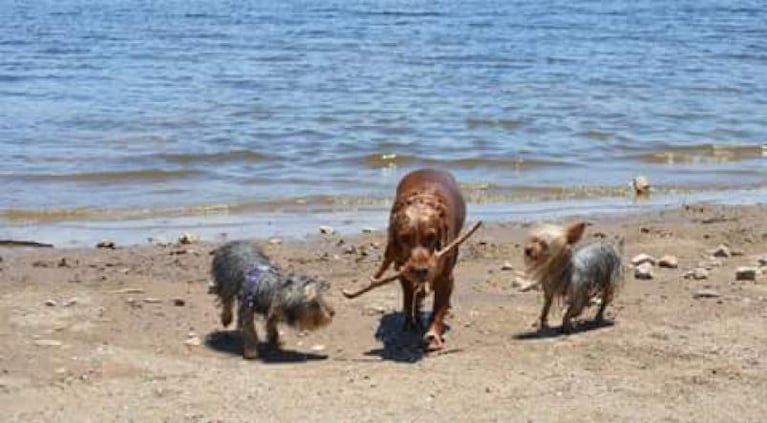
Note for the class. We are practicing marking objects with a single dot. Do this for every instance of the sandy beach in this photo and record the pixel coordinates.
(130, 334)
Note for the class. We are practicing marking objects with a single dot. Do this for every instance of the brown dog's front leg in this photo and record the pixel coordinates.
(443, 288)
(412, 321)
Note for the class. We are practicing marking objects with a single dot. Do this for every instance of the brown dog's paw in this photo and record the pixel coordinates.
(250, 353)
(433, 342)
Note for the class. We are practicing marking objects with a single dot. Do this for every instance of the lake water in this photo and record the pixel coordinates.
(199, 114)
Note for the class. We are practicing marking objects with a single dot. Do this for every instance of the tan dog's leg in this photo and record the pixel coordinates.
(578, 301)
(443, 288)
(547, 298)
(607, 296)
(245, 320)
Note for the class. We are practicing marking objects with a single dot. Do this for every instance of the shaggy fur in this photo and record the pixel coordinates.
(243, 272)
(427, 214)
(576, 277)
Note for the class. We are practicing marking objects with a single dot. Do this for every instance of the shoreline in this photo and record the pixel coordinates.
(301, 222)
(131, 332)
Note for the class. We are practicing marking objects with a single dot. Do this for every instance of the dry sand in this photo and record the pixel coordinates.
(111, 345)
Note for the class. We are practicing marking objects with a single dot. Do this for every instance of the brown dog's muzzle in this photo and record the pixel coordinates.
(377, 280)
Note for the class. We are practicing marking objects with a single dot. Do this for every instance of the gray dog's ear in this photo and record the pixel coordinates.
(310, 291)
(324, 285)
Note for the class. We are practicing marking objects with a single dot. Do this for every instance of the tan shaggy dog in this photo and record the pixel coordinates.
(424, 226)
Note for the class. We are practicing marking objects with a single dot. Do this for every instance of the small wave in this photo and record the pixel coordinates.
(113, 177)
(391, 160)
(703, 154)
(246, 156)
(596, 135)
(508, 124)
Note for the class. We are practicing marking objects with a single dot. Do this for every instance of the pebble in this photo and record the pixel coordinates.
(762, 261)
(179, 302)
(696, 274)
(745, 273)
(721, 251)
(375, 310)
(669, 262)
(188, 238)
(643, 271)
(368, 230)
(327, 230)
(507, 266)
(318, 347)
(193, 341)
(275, 241)
(643, 258)
(106, 243)
(70, 302)
(151, 300)
(641, 185)
(129, 291)
(706, 293)
(51, 303)
(48, 343)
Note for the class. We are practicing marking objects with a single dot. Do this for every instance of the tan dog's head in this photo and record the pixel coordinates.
(418, 230)
(549, 246)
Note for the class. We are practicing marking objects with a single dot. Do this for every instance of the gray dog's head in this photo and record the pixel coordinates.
(303, 303)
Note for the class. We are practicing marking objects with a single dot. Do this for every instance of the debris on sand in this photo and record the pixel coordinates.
(669, 262)
(188, 238)
(745, 273)
(643, 258)
(722, 251)
(106, 244)
(48, 343)
(644, 271)
(327, 230)
(706, 293)
(697, 274)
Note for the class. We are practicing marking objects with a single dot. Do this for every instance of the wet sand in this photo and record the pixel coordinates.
(131, 334)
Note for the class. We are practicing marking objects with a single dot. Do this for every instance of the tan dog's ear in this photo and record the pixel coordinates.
(574, 232)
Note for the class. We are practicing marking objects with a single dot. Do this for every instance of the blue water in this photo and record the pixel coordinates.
(117, 109)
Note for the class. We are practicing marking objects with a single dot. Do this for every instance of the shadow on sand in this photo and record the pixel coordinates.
(230, 342)
(554, 332)
(398, 345)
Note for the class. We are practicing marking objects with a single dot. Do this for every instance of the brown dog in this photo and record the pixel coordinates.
(425, 221)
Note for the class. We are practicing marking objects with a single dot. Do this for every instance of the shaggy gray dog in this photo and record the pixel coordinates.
(243, 272)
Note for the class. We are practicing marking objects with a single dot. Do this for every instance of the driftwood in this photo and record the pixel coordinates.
(19, 243)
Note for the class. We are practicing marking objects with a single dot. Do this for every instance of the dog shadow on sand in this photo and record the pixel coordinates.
(230, 342)
(398, 345)
(556, 331)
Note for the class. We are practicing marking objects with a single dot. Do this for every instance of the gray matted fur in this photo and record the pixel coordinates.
(242, 272)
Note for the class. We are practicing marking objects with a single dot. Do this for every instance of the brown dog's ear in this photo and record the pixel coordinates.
(574, 232)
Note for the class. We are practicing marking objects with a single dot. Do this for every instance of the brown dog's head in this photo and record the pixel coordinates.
(418, 230)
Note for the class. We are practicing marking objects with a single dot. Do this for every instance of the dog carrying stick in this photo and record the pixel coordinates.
(376, 282)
